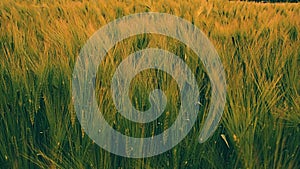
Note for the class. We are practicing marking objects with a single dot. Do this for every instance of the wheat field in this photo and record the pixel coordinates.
(258, 44)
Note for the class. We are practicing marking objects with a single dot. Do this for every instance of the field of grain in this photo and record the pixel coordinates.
(258, 44)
